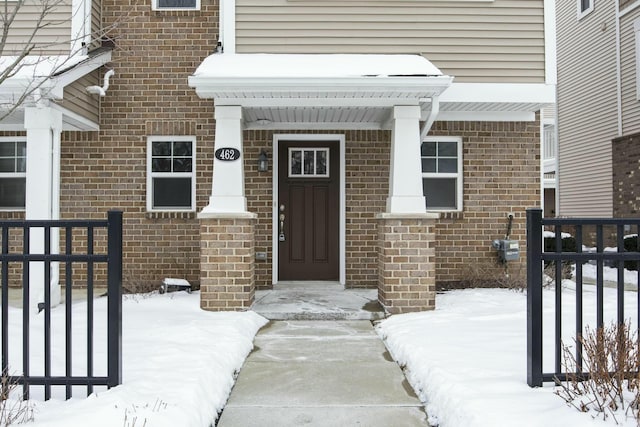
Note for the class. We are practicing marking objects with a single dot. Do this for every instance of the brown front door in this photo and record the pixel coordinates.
(308, 210)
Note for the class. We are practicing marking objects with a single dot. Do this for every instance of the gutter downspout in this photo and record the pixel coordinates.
(618, 70)
(227, 34)
(433, 114)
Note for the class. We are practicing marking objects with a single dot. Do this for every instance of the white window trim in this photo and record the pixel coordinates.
(154, 6)
(582, 13)
(14, 174)
(636, 31)
(458, 175)
(151, 175)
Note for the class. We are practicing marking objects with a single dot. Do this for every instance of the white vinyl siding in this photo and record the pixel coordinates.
(77, 99)
(54, 37)
(630, 72)
(585, 7)
(500, 41)
(587, 109)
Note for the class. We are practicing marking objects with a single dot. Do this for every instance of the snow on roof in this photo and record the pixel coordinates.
(40, 66)
(314, 66)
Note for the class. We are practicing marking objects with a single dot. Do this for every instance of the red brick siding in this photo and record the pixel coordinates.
(501, 175)
(148, 95)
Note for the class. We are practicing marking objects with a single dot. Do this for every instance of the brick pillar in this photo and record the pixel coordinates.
(227, 260)
(406, 262)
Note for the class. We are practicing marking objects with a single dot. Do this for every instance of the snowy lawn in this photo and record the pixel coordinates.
(467, 359)
(178, 368)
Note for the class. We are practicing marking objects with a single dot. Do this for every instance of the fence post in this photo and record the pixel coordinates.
(534, 297)
(114, 296)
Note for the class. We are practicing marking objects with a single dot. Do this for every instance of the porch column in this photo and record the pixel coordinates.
(42, 201)
(405, 172)
(227, 190)
(227, 236)
(406, 262)
(406, 232)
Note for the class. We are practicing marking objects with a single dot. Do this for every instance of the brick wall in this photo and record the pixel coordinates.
(367, 175)
(625, 153)
(501, 174)
(148, 95)
(501, 163)
(406, 256)
(227, 255)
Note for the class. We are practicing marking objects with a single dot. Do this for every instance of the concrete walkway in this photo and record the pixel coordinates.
(321, 373)
(317, 301)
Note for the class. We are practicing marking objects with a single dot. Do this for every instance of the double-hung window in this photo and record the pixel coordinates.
(175, 4)
(442, 173)
(13, 176)
(585, 7)
(171, 175)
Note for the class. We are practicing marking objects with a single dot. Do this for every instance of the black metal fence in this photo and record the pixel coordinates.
(72, 255)
(536, 258)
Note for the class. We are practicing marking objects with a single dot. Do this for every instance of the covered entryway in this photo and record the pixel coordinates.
(318, 99)
(308, 210)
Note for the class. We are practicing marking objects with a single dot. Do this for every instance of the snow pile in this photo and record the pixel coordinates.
(315, 66)
(178, 364)
(467, 359)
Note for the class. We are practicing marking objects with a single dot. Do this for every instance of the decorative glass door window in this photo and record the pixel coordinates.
(308, 162)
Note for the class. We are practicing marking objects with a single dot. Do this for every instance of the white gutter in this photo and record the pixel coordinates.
(435, 109)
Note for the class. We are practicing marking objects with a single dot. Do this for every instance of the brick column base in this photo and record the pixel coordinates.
(406, 262)
(227, 261)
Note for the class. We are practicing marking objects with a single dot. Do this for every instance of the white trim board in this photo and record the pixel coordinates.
(340, 138)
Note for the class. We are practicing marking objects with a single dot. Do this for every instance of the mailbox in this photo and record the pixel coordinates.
(508, 250)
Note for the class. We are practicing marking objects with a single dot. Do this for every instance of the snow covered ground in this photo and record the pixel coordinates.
(467, 359)
(178, 363)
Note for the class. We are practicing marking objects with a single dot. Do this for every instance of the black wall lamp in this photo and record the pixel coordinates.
(263, 161)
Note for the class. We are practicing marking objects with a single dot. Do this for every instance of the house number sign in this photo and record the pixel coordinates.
(227, 154)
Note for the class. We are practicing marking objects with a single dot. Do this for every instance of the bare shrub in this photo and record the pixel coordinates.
(131, 285)
(606, 381)
(12, 410)
(509, 276)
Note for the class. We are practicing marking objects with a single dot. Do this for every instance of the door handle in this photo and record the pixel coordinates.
(281, 218)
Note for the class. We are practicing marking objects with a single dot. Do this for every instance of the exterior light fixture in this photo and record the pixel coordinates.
(263, 161)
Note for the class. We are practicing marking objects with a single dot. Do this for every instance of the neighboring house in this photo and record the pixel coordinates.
(375, 144)
(598, 44)
(549, 161)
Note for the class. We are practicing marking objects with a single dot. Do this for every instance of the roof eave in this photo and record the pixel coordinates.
(209, 87)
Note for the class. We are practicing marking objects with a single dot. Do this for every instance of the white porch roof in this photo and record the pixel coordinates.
(320, 91)
(315, 91)
(44, 78)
